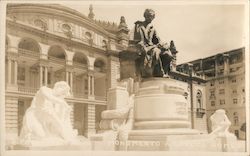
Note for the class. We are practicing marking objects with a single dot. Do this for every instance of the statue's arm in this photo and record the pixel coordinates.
(156, 39)
(46, 92)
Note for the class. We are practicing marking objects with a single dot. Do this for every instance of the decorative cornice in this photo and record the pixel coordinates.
(60, 11)
(51, 36)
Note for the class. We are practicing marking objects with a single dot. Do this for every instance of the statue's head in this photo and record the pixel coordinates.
(149, 15)
(61, 89)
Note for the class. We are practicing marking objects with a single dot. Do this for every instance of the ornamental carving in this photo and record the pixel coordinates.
(41, 24)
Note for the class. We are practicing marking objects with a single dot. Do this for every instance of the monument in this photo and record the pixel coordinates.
(160, 118)
(146, 112)
(160, 106)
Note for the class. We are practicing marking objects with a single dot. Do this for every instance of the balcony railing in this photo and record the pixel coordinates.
(28, 52)
(80, 65)
(80, 95)
(27, 90)
(57, 60)
(99, 69)
(102, 98)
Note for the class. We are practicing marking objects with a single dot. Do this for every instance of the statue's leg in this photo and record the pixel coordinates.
(158, 64)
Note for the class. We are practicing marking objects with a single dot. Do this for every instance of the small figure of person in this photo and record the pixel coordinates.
(48, 117)
(152, 50)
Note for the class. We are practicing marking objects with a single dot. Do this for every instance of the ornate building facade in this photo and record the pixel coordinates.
(50, 43)
(225, 86)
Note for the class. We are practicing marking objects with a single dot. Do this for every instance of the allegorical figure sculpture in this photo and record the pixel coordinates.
(155, 57)
(47, 120)
(220, 124)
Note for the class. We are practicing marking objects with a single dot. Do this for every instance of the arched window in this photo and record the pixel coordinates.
(80, 58)
(236, 118)
(199, 99)
(99, 65)
(28, 44)
(56, 52)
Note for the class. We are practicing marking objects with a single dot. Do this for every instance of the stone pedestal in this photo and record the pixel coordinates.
(128, 62)
(161, 110)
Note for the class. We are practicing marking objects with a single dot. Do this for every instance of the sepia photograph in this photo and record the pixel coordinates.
(124, 76)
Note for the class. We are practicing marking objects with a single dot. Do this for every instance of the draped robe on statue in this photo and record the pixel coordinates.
(156, 57)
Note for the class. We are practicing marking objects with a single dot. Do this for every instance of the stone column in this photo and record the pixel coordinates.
(69, 75)
(12, 70)
(91, 79)
(89, 123)
(41, 76)
(71, 80)
(46, 76)
(44, 51)
(15, 72)
(191, 70)
(9, 71)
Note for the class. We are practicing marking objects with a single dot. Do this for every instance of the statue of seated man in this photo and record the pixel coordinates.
(155, 57)
(47, 120)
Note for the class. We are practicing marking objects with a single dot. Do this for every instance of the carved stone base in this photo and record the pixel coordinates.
(161, 111)
(161, 104)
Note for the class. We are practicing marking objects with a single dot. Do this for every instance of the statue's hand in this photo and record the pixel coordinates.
(141, 46)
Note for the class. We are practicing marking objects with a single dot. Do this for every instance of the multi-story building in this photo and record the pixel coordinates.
(225, 87)
(50, 43)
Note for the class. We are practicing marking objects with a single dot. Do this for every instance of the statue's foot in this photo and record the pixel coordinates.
(166, 76)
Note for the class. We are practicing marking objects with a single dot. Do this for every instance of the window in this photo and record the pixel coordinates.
(234, 81)
(221, 82)
(236, 132)
(222, 91)
(243, 90)
(222, 102)
(234, 91)
(212, 103)
(235, 101)
(221, 72)
(236, 118)
(49, 78)
(232, 70)
(212, 83)
(212, 93)
(21, 74)
(199, 99)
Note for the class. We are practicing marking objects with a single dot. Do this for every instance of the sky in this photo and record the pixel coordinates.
(197, 30)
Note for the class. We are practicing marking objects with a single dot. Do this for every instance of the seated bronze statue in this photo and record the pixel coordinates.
(154, 57)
